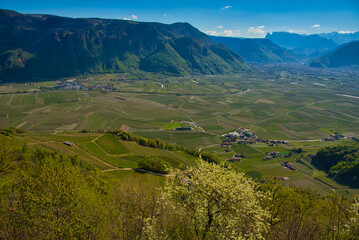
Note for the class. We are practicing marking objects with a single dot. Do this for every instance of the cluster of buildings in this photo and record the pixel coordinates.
(69, 85)
(273, 143)
(237, 157)
(334, 137)
(246, 136)
(241, 136)
(271, 155)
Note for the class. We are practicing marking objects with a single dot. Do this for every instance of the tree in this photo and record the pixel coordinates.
(219, 202)
(50, 199)
(153, 164)
(352, 227)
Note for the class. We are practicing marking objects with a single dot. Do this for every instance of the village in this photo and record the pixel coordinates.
(334, 137)
(70, 84)
(246, 136)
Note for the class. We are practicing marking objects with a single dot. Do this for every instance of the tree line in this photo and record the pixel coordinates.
(340, 162)
(158, 143)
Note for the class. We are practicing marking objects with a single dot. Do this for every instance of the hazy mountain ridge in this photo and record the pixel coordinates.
(258, 50)
(52, 46)
(341, 38)
(308, 46)
(344, 56)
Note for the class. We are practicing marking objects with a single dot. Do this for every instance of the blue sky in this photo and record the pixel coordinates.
(250, 18)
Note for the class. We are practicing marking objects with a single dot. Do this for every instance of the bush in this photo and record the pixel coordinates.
(154, 164)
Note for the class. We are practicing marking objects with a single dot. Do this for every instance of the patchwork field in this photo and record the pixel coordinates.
(275, 109)
(269, 104)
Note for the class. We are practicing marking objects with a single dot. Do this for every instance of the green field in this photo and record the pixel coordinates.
(311, 109)
(272, 109)
(103, 150)
(111, 145)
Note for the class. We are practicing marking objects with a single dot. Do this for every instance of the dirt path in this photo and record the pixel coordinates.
(98, 159)
(10, 100)
(94, 140)
(213, 145)
(117, 169)
(114, 168)
(21, 124)
(280, 114)
(84, 121)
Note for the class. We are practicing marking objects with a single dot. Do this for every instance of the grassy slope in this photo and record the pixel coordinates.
(103, 150)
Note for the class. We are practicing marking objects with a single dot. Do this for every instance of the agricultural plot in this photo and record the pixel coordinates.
(111, 145)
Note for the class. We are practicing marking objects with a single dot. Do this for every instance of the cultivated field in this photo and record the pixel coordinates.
(290, 107)
(295, 107)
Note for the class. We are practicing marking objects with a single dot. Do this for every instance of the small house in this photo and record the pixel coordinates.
(69, 144)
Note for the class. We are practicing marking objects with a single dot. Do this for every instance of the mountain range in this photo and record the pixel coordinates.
(258, 50)
(340, 37)
(47, 46)
(309, 46)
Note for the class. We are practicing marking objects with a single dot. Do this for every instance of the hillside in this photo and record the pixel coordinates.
(257, 50)
(49, 46)
(307, 45)
(344, 56)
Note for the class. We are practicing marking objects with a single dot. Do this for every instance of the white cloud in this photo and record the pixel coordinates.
(256, 30)
(127, 19)
(291, 31)
(346, 32)
(316, 26)
(225, 33)
(226, 7)
(164, 15)
(213, 33)
(134, 16)
(219, 27)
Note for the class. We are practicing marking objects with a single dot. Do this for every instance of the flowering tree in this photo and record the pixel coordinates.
(218, 202)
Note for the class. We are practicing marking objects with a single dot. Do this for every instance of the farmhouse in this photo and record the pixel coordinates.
(69, 144)
(237, 157)
(289, 165)
(226, 143)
